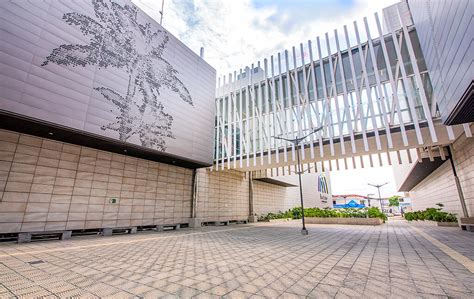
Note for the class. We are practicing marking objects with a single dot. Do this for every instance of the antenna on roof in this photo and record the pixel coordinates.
(161, 12)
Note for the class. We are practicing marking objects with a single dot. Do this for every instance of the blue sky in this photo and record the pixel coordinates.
(300, 12)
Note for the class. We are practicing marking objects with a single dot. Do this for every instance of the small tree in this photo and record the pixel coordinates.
(394, 201)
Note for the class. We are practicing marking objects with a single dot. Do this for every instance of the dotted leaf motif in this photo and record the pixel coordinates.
(118, 40)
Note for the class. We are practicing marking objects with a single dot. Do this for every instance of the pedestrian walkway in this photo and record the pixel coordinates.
(259, 260)
(461, 241)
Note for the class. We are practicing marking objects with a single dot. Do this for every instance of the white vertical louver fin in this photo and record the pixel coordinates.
(381, 98)
(396, 103)
(282, 109)
(347, 110)
(368, 90)
(315, 94)
(419, 82)
(298, 103)
(274, 114)
(217, 121)
(290, 105)
(360, 113)
(241, 131)
(407, 86)
(332, 70)
(307, 104)
(327, 109)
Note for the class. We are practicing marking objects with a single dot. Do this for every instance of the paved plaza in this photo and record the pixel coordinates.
(240, 261)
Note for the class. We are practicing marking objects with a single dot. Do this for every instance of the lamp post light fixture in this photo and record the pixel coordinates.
(378, 189)
(297, 142)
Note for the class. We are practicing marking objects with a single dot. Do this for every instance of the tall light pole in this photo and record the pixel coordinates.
(297, 142)
(378, 188)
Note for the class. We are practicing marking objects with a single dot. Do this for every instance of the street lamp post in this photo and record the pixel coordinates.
(297, 142)
(378, 188)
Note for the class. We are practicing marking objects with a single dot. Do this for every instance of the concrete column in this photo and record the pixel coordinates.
(66, 235)
(458, 184)
(107, 231)
(194, 221)
(24, 237)
(252, 217)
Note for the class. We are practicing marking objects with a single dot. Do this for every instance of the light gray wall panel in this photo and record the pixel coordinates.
(67, 94)
(446, 32)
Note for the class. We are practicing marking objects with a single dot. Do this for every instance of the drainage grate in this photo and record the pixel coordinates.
(36, 262)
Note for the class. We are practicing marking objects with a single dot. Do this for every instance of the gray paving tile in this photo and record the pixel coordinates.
(259, 261)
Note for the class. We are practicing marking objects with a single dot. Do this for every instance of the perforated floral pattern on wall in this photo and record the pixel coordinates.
(118, 40)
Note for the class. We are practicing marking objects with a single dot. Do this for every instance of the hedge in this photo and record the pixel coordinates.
(295, 213)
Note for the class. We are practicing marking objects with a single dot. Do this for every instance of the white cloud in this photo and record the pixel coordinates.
(236, 33)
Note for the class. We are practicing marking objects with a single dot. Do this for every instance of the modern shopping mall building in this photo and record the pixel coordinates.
(107, 120)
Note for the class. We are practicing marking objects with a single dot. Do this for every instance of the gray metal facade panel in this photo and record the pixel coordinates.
(446, 31)
(67, 94)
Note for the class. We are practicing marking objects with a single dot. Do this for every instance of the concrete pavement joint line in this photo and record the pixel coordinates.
(123, 242)
(463, 260)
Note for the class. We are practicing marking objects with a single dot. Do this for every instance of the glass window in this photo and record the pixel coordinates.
(336, 65)
(285, 92)
(328, 76)
(271, 95)
(347, 72)
(420, 59)
(301, 82)
(406, 57)
(357, 65)
(319, 84)
(380, 62)
(392, 55)
(369, 66)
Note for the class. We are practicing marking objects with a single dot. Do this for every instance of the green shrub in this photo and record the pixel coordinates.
(374, 212)
(295, 213)
(431, 214)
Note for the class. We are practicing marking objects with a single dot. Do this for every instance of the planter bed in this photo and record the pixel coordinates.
(433, 223)
(448, 224)
(353, 221)
(280, 220)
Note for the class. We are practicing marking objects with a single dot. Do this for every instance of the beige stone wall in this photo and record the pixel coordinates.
(439, 186)
(50, 185)
(273, 198)
(222, 195)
